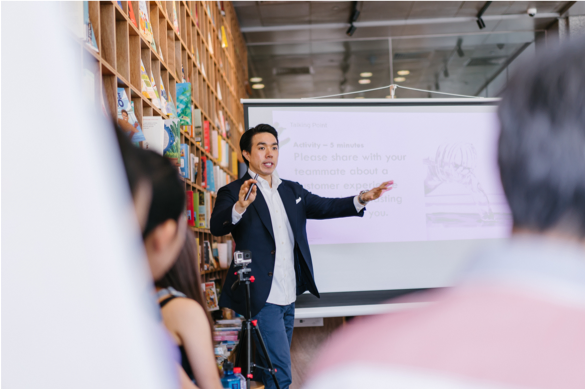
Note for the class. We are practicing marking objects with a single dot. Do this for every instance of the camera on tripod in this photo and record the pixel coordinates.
(242, 258)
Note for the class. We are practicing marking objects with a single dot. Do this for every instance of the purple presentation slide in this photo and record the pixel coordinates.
(444, 167)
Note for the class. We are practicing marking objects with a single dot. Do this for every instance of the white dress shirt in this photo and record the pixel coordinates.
(284, 286)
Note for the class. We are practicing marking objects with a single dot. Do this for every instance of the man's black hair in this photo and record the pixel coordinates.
(541, 151)
(246, 139)
(168, 191)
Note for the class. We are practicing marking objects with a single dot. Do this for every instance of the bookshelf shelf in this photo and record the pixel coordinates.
(217, 74)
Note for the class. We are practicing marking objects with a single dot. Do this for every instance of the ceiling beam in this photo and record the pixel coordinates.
(389, 23)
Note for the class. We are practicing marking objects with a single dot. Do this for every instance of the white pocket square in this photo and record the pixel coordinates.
(298, 200)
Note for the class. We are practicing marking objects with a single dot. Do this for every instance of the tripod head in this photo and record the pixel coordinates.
(243, 259)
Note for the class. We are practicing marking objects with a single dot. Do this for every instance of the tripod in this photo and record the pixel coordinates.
(249, 326)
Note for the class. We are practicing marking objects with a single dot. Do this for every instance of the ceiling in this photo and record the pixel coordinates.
(301, 49)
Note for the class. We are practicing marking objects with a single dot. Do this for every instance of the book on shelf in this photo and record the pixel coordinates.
(228, 133)
(203, 171)
(220, 150)
(89, 33)
(156, 99)
(189, 208)
(145, 84)
(210, 296)
(222, 255)
(209, 43)
(206, 136)
(184, 103)
(207, 196)
(222, 123)
(214, 146)
(197, 56)
(220, 5)
(210, 178)
(145, 26)
(131, 14)
(193, 167)
(224, 42)
(171, 107)
(226, 155)
(201, 212)
(197, 125)
(164, 100)
(153, 128)
(196, 209)
(175, 20)
(127, 119)
(219, 91)
(207, 256)
(235, 163)
(172, 148)
(185, 162)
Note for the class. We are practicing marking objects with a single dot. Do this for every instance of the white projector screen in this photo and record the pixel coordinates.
(447, 201)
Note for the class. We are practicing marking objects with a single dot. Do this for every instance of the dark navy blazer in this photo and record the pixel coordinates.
(254, 232)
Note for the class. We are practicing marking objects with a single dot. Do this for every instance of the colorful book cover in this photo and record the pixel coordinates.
(145, 26)
(193, 167)
(131, 13)
(184, 103)
(214, 145)
(127, 119)
(235, 163)
(224, 42)
(197, 126)
(222, 123)
(220, 150)
(172, 147)
(164, 99)
(201, 212)
(146, 86)
(196, 17)
(175, 20)
(189, 208)
(171, 107)
(196, 208)
(210, 295)
(185, 163)
(156, 98)
(89, 36)
(154, 131)
(203, 171)
(206, 136)
(210, 178)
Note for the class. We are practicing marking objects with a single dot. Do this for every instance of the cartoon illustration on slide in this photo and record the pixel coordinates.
(454, 193)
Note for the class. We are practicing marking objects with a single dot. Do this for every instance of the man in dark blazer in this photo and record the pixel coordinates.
(271, 223)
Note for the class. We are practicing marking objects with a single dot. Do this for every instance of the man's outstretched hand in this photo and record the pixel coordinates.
(375, 193)
(242, 204)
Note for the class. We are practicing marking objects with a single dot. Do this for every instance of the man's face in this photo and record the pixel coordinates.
(263, 156)
(125, 116)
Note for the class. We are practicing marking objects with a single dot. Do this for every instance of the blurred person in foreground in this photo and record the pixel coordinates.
(186, 317)
(516, 319)
(158, 197)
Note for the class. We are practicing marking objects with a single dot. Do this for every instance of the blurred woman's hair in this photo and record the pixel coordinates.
(185, 276)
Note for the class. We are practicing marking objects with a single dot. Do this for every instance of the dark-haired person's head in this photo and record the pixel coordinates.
(542, 143)
(164, 233)
(138, 175)
(184, 275)
(259, 146)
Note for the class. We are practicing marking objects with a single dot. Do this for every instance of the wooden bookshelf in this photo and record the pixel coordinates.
(217, 74)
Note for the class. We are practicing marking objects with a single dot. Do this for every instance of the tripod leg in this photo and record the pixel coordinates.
(256, 330)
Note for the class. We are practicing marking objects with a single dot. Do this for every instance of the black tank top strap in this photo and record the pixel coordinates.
(166, 301)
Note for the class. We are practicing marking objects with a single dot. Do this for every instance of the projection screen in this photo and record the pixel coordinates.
(446, 204)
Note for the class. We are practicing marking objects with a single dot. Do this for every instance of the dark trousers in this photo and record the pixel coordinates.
(276, 323)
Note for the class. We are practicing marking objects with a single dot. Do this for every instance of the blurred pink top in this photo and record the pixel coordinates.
(517, 319)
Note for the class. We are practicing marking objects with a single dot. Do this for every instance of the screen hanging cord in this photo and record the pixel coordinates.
(393, 88)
